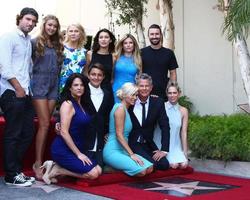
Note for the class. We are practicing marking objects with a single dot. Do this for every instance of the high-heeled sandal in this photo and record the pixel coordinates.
(47, 165)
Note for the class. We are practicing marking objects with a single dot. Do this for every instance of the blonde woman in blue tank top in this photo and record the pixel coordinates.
(128, 63)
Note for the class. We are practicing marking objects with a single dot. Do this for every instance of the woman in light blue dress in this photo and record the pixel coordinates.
(178, 121)
(116, 152)
(128, 63)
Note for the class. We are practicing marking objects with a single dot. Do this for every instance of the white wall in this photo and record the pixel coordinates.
(209, 73)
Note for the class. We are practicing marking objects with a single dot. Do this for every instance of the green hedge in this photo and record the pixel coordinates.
(220, 137)
(186, 102)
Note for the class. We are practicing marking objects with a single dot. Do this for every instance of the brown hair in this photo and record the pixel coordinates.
(173, 84)
(56, 39)
(26, 11)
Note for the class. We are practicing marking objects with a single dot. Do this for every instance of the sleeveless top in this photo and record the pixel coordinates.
(107, 61)
(77, 130)
(125, 70)
(176, 154)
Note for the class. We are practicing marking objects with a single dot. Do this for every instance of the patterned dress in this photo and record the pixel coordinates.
(74, 61)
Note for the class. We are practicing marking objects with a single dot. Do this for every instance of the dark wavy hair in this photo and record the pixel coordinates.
(96, 45)
(26, 11)
(66, 94)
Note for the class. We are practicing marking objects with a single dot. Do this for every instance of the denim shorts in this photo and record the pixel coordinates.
(45, 86)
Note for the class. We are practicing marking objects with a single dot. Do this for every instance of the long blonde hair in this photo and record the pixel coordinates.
(83, 38)
(136, 52)
(56, 39)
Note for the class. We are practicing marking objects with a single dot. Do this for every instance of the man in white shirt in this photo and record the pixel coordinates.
(15, 62)
(99, 103)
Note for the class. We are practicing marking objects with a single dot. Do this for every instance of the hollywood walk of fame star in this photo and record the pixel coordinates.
(184, 188)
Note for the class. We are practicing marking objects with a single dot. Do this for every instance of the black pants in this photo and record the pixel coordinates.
(18, 132)
(146, 152)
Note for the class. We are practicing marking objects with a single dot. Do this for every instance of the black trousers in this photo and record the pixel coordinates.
(18, 132)
(146, 152)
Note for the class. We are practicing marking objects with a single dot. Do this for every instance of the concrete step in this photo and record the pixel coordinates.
(232, 168)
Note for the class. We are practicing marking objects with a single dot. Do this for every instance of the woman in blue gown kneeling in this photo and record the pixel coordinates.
(67, 147)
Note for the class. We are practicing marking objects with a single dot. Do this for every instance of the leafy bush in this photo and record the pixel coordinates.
(185, 102)
(220, 137)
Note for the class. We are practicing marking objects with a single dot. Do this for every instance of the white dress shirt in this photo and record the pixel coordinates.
(15, 60)
(138, 110)
(96, 95)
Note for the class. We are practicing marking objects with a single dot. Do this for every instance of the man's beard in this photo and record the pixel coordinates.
(155, 42)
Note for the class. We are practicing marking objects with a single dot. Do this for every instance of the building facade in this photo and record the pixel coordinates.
(208, 73)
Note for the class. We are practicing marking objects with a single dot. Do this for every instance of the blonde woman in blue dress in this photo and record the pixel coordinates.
(178, 122)
(128, 63)
(116, 152)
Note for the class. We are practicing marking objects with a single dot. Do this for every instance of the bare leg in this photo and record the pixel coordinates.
(183, 165)
(43, 108)
(142, 173)
(99, 169)
(57, 170)
(145, 172)
(174, 165)
(52, 105)
(149, 170)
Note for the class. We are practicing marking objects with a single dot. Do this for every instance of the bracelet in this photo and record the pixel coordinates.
(131, 154)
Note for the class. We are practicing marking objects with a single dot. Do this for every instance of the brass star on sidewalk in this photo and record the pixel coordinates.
(184, 188)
